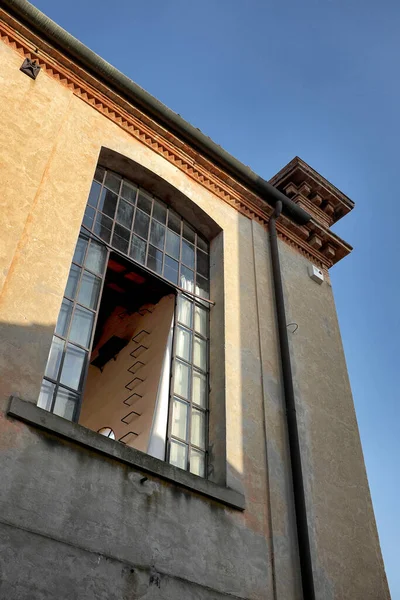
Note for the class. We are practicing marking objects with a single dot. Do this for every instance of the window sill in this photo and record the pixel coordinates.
(31, 414)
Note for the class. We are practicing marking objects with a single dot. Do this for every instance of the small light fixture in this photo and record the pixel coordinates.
(107, 432)
(30, 68)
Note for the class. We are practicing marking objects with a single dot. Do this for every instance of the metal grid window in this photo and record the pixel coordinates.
(151, 234)
(67, 364)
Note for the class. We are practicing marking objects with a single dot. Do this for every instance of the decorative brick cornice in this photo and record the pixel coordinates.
(153, 135)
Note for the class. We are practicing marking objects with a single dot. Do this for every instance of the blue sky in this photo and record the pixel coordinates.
(269, 80)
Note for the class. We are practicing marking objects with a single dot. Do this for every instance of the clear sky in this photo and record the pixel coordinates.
(271, 79)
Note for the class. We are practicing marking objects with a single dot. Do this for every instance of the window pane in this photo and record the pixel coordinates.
(120, 239)
(202, 244)
(179, 419)
(188, 233)
(125, 213)
(108, 202)
(138, 249)
(154, 259)
(185, 308)
(46, 395)
(112, 181)
(197, 462)
(202, 287)
(198, 431)
(199, 395)
(81, 327)
(80, 250)
(73, 366)
(183, 343)
(174, 222)
(178, 455)
(88, 217)
(172, 244)
(202, 263)
(187, 279)
(65, 404)
(159, 212)
(141, 226)
(200, 320)
(64, 317)
(99, 174)
(157, 235)
(171, 267)
(54, 360)
(89, 290)
(181, 379)
(144, 203)
(103, 226)
(129, 192)
(94, 194)
(200, 353)
(188, 254)
(96, 257)
(72, 282)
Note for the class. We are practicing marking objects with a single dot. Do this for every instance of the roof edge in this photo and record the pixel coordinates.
(104, 71)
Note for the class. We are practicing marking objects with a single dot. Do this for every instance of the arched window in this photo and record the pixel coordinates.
(130, 346)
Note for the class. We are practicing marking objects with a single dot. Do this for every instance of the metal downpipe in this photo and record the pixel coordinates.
(303, 539)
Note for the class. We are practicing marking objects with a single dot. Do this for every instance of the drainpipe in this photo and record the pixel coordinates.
(303, 539)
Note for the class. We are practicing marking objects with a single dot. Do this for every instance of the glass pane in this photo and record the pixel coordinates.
(64, 317)
(129, 192)
(125, 213)
(174, 222)
(200, 320)
(73, 365)
(154, 259)
(179, 419)
(89, 290)
(197, 462)
(198, 431)
(54, 360)
(202, 287)
(120, 239)
(94, 194)
(46, 395)
(144, 203)
(181, 379)
(103, 226)
(72, 282)
(172, 244)
(80, 250)
(199, 395)
(159, 212)
(201, 243)
(112, 181)
(185, 311)
(200, 353)
(183, 343)
(96, 257)
(138, 249)
(108, 202)
(65, 404)
(202, 263)
(187, 279)
(88, 217)
(171, 267)
(157, 234)
(99, 174)
(178, 455)
(141, 226)
(81, 328)
(188, 233)
(188, 254)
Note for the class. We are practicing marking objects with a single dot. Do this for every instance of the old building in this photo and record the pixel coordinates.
(176, 416)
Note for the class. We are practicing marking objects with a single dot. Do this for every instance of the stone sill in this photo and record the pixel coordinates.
(38, 417)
